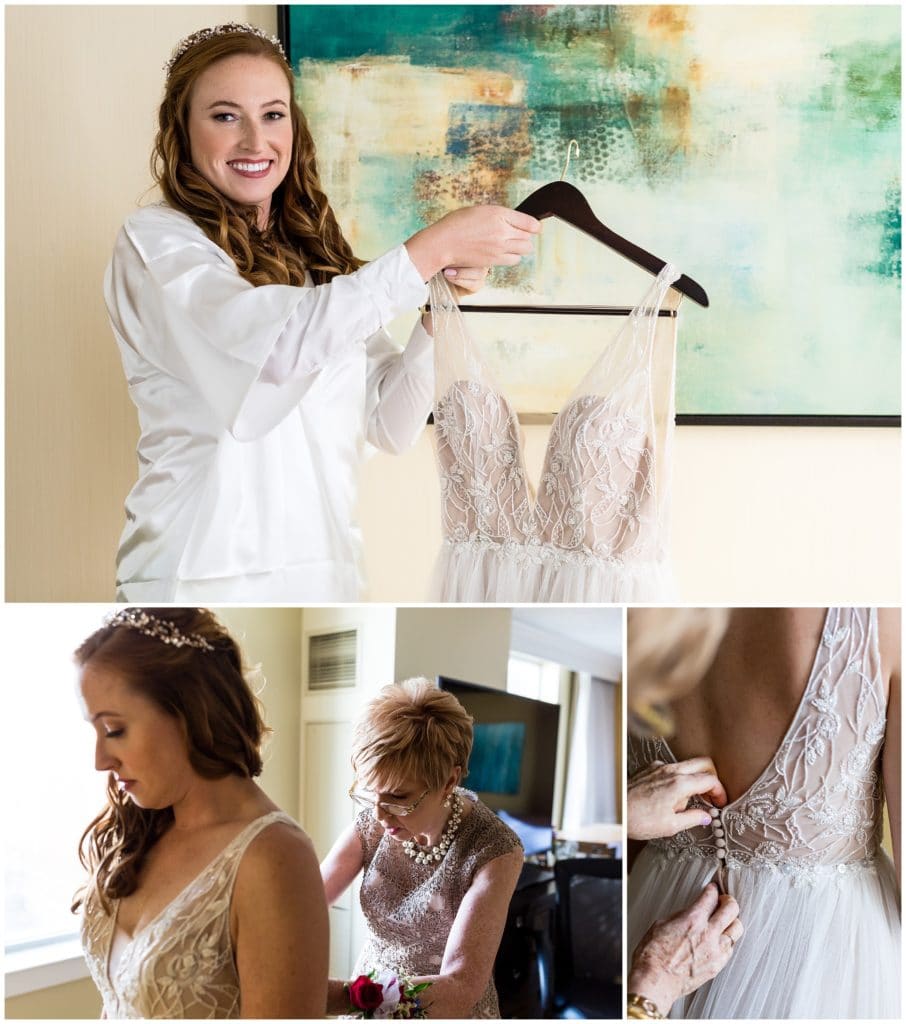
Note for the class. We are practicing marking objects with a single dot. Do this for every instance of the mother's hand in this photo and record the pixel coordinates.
(659, 797)
(677, 956)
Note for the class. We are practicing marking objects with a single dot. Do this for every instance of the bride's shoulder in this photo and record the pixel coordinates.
(159, 229)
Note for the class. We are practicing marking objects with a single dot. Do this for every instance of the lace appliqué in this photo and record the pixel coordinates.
(816, 809)
(597, 505)
(181, 964)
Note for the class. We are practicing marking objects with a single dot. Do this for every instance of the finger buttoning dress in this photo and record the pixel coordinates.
(817, 895)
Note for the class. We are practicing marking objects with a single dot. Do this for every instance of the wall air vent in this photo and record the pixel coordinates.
(333, 659)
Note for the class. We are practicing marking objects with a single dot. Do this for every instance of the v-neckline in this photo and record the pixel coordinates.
(651, 292)
(794, 721)
(139, 932)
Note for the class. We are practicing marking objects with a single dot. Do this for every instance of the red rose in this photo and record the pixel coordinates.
(364, 994)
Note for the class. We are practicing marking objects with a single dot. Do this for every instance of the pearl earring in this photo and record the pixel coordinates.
(447, 801)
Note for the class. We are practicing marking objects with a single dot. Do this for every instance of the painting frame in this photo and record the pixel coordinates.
(285, 13)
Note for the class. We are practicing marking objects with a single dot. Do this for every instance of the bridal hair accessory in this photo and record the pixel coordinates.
(436, 853)
(383, 995)
(159, 629)
(229, 28)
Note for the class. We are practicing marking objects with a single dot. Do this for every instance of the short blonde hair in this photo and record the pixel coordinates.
(670, 649)
(412, 730)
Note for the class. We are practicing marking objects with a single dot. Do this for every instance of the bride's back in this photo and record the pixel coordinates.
(746, 701)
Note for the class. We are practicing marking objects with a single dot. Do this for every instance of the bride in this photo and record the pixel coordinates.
(800, 713)
(203, 898)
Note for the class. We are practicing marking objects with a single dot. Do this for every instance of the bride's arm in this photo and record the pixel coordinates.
(473, 940)
(338, 871)
(889, 639)
(280, 928)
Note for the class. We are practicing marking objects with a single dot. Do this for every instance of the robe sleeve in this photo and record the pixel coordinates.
(400, 389)
(249, 353)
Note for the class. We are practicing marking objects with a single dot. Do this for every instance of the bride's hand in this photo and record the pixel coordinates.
(659, 797)
(677, 956)
(466, 280)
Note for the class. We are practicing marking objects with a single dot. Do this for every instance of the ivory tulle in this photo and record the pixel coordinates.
(826, 947)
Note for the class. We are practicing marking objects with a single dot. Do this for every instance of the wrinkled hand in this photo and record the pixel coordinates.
(466, 280)
(659, 796)
(677, 956)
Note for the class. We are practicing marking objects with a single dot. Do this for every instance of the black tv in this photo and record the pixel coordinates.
(514, 755)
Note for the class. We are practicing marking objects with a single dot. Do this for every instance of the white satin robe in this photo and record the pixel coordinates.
(255, 406)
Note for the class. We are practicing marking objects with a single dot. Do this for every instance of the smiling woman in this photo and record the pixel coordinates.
(254, 340)
(203, 898)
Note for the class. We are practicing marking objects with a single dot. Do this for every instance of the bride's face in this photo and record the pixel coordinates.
(135, 739)
(240, 129)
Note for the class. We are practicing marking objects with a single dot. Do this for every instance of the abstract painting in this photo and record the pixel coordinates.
(758, 148)
(495, 765)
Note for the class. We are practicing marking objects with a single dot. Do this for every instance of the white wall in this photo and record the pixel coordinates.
(469, 644)
(785, 515)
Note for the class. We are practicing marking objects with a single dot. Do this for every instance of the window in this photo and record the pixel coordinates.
(53, 790)
(533, 677)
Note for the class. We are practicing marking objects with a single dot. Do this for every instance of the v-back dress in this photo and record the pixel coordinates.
(596, 530)
(410, 908)
(817, 895)
(181, 963)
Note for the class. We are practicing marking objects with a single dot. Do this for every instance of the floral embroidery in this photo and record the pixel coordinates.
(597, 499)
(818, 804)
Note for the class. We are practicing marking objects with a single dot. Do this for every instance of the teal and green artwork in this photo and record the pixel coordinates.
(758, 148)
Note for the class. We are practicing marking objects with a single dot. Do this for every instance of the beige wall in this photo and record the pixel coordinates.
(785, 515)
(469, 644)
(82, 88)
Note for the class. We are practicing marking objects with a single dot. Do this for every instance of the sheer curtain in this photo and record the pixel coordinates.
(591, 782)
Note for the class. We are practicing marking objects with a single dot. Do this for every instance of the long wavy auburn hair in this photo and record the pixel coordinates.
(303, 232)
(220, 716)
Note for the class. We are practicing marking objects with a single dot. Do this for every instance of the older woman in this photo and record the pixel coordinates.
(254, 342)
(438, 867)
(203, 898)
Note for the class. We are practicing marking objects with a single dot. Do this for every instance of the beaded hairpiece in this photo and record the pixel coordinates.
(230, 27)
(160, 629)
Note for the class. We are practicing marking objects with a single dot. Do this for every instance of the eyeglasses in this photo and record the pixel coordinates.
(368, 800)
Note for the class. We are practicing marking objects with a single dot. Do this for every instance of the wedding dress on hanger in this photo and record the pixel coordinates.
(595, 529)
(817, 895)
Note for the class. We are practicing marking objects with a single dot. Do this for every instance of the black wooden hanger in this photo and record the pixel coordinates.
(565, 201)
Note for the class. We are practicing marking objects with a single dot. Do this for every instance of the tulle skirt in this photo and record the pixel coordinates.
(478, 572)
(821, 945)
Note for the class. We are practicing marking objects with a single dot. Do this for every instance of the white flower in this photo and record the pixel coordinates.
(392, 993)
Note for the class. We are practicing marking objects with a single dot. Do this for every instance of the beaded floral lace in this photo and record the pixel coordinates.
(410, 908)
(816, 807)
(181, 963)
(598, 507)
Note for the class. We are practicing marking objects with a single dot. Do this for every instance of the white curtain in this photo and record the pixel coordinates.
(591, 784)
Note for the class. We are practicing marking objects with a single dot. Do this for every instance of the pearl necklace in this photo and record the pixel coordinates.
(436, 853)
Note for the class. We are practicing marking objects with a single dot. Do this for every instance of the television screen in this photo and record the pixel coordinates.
(514, 753)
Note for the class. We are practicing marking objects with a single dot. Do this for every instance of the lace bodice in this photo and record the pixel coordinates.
(410, 908)
(601, 499)
(181, 963)
(816, 807)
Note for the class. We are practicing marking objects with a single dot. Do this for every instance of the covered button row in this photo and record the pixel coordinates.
(717, 827)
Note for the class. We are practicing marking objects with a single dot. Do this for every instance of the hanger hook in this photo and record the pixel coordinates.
(569, 149)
